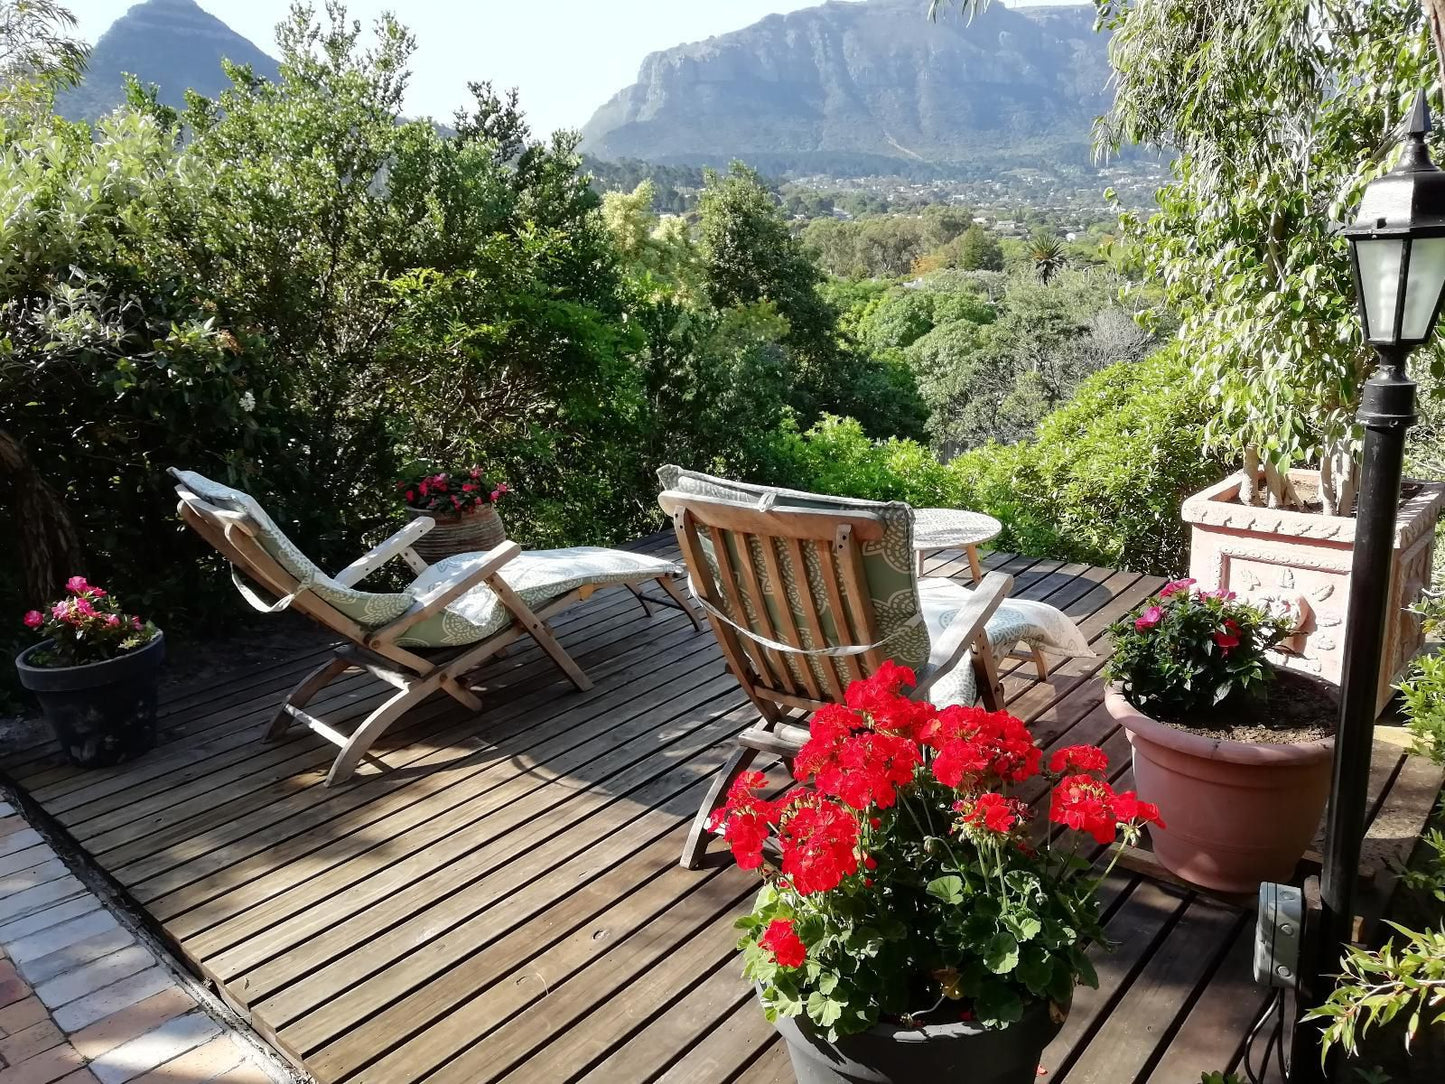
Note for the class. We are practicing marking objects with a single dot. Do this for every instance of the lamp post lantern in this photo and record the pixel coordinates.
(1397, 251)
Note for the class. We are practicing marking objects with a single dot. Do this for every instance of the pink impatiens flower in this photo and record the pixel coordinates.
(34, 619)
(1149, 618)
(1175, 586)
(76, 584)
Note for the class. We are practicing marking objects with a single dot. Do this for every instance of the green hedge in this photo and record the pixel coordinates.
(1102, 482)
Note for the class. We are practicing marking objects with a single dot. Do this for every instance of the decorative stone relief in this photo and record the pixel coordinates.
(1296, 555)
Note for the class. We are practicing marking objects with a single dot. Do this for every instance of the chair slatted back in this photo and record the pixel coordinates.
(790, 576)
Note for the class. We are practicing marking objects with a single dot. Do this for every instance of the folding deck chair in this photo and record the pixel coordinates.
(807, 593)
(449, 620)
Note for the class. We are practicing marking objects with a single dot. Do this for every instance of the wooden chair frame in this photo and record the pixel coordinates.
(415, 676)
(761, 669)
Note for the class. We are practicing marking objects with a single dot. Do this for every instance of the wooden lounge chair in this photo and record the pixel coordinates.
(453, 616)
(807, 593)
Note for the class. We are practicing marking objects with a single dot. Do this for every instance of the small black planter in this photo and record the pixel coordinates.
(889, 1054)
(103, 713)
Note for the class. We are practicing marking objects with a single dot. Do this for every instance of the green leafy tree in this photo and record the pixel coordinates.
(1280, 111)
(38, 53)
(749, 256)
(978, 250)
(106, 340)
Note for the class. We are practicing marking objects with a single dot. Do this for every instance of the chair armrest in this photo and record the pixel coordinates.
(383, 552)
(441, 597)
(968, 625)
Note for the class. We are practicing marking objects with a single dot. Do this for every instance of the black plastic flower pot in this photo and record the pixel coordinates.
(890, 1054)
(103, 713)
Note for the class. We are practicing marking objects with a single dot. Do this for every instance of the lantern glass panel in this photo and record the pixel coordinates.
(1422, 292)
(1379, 263)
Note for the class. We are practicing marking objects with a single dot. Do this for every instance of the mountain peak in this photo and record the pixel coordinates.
(175, 44)
(868, 83)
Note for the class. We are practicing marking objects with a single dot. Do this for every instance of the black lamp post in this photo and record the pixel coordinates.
(1397, 249)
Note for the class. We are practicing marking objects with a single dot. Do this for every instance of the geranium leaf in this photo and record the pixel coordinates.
(996, 1004)
(823, 1010)
(948, 889)
(1001, 954)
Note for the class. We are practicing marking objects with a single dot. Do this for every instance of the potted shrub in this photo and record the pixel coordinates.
(1235, 754)
(918, 923)
(464, 505)
(94, 674)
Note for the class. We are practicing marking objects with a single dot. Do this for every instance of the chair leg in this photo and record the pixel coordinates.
(375, 724)
(462, 694)
(641, 598)
(541, 632)
(985, 669)
(668, 584)
(302, 695)
(1041, 664)
(698, 836)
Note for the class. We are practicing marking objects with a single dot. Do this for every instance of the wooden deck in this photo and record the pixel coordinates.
(503, 901)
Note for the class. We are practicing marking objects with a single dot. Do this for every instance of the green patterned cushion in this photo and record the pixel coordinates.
(889, 564)
(370, 609)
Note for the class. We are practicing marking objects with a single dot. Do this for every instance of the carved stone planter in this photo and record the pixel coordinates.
(1306, 557)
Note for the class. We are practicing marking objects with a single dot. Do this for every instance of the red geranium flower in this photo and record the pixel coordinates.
(820, 843)
(869, 769)
(876, 694)
(745, 819)
(993, 812)
(1128, 807)
(782, 941)
(1085, 804)
(1078, 758)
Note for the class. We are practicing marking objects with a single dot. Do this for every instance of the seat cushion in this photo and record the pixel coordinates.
(538, 576)
(1015, 621)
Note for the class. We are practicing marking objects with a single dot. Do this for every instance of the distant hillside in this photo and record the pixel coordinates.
(171, 43)
(865, 87)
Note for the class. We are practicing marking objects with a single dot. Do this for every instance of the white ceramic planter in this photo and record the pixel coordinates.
(1306, 557)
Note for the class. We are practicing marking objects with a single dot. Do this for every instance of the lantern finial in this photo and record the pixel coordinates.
(1419, 122)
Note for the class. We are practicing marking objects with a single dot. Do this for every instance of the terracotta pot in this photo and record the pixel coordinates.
(470, 532)
(1306, 558)
(1235, 813)
(891, 1054)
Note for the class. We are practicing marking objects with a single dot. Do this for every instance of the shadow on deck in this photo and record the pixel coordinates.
(503, 902)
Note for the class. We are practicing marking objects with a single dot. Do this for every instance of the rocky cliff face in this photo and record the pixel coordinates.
(866, 80)
(171, 43)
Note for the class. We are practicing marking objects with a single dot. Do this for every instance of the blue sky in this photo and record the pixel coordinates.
(566, 56)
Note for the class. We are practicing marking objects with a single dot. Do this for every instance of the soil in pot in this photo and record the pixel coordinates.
(1236, 812)
(1299, 709)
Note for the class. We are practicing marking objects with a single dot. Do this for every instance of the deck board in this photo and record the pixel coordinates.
(497, 897)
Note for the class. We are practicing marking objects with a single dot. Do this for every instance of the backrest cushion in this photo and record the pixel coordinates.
(369, 609)
(889, 564)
